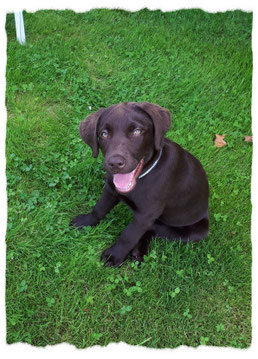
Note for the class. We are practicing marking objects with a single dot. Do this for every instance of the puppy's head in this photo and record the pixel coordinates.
(129, 135)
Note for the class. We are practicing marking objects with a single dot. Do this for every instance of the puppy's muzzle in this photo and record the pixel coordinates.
(116, 163)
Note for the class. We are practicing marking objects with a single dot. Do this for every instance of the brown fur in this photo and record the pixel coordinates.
(171, 201)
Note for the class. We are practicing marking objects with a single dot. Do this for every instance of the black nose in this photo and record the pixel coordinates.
(116, 162)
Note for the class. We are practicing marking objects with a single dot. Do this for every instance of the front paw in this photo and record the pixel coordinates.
(136, 257)
(84, 220)
(113, 256)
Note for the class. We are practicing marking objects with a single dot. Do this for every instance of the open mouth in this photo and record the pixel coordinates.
(125, 182)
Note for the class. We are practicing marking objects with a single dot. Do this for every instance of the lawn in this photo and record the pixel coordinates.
(199, 66)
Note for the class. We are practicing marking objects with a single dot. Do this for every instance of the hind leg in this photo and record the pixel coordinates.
(141, 248)
(193, 233)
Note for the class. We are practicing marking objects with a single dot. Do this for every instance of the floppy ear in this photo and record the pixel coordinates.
(88, 131)
(161, 120)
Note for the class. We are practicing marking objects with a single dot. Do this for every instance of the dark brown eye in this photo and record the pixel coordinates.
(104, 134)
(137, 132)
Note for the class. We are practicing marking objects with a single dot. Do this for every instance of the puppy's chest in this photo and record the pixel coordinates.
(129, 202)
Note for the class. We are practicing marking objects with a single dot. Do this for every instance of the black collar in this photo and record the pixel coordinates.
(152, 166)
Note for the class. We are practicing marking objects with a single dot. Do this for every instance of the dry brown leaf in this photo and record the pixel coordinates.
(248, 138)
(219, 141)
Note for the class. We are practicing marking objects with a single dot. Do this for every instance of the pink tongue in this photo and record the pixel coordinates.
(122, 180)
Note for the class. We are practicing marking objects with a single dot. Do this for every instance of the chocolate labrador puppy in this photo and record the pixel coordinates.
(163, 184)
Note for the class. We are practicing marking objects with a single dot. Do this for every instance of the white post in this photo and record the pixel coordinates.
(19, 24)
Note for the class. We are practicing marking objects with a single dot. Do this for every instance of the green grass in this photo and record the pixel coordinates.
(199, 66)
